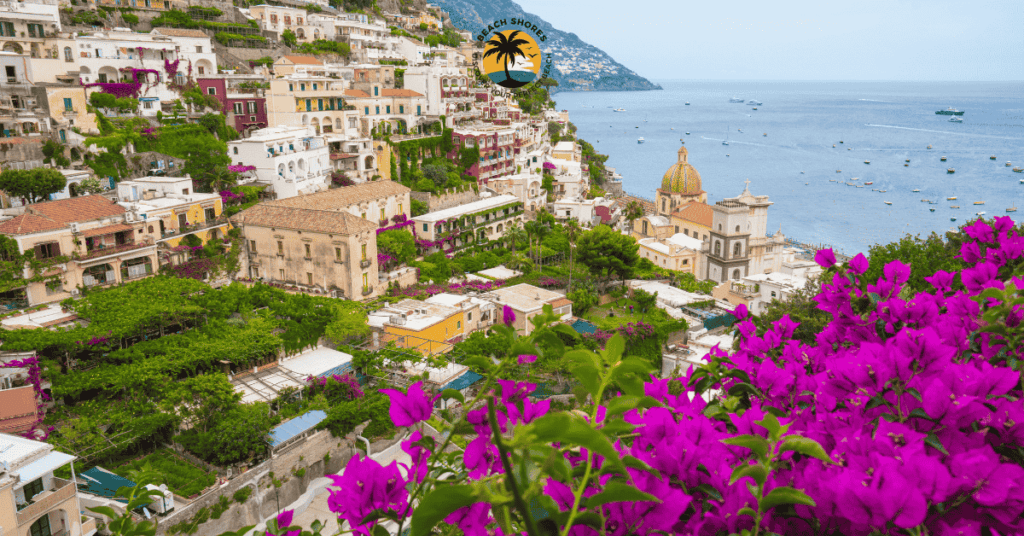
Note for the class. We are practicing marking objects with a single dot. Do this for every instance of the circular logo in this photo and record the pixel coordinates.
(512, 59)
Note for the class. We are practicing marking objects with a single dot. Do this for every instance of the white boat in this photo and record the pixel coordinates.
(736, 99)
(640, 140)
(687, 103)
(917, 189)
(888, 202)
(619, 110)
(726, 140)
(956, 119)
(982, 213)
(754, 102)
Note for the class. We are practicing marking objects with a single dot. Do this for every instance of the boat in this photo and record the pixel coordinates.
(726, 140)
(673, 128)
(979, 202)
(736, 99)
(917, 189)
(952, 219)
(839, 171)
(949, 111)
(956, 119)
(933, 202)
(640, 139)
(982, 213)
(840, 141)
(739, 130)
(924, 200)
(943, 158)
(754, 108)
(929, 147)
(950, 170)
(888, 202)
(1018, 169)
(765, 134)
(754, 102)
(1008, 164)
(727, 154)
(869, 183)
(907, 160)
(954, 206)
(855, 179)
(993, 157)
(951, 198)
(619, 110)
(931, 210)
(882, 191)
(687, 103)
(833, 146)
(1012, 209)
(687, 133)
(867, 161)
(906, 165)
(801, 172)
(859, 186)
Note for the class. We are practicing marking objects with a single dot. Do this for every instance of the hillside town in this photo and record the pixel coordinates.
(223, 233)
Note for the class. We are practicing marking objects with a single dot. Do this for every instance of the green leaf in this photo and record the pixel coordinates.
(379, 530)
(478, 362)
(755, 471)
(590, 519)
(771, 423)
(934, 442)
(710, 491)
(588, 377)
(452, 393)
(747, 511)
(806, 446)
(744, 388)
(784, 495)
(613, 349)
(619, 492)
(439, 504)
(994, 293)
(920, 412)
(757, 444)
(567, 428)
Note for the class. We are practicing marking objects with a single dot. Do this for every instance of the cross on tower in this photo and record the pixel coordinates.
(747, 185)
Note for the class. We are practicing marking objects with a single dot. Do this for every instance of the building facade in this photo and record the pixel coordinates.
(292, 160)
(33, 501)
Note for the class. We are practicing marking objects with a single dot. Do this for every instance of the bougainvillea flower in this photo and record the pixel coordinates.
(508, 316)
(825, 258)
(410, 408)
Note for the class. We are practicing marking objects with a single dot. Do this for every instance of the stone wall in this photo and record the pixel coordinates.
(21, 153)
(307, 458)
(448, 199)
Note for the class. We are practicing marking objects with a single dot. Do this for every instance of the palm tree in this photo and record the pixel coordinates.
(505, 49)
(634, 211)
(513, 233)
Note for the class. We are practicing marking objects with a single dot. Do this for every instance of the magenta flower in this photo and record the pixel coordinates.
(508, 316)
(525, 359)
(472, 520)
(825, 258)
(284, 521)
(365, 487)
(409, 409)
(859, 264)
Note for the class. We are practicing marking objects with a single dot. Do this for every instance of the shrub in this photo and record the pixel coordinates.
(242, 494)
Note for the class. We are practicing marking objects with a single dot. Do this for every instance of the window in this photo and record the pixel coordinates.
(281, 273)
(366, 282)
(382, 214)
(376, 91)
(458, 324)
(182, 220)
(68, 55)
(252, 107)
(68, 106)
(320, 105)
(424, 227)
(364, 251)
(401, 108)
(418, 110)
(773, 293)
(366, 110)
(211, 214)
(238, 109)
(309, 254)
(252, 246)
(41, 527)
(7, 29)
(469, 316)
(211, 90)
(48, 250)
(32, 489)
(302, 87)
(199, 50)
(387, 109)
(378, 110)
(337, 254)
(202, 70)
(54, 287)
(280, 247)
(309, 278)
(291, 87)
(236, 150)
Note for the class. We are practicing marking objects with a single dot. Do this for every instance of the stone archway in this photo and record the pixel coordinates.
(11, 46)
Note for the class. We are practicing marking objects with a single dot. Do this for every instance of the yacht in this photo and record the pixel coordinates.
(929, 147)
(619, 110)
(917, 189)
(950, 170)
(982, 213)
(765, 134)
(736, 99)
(907, 160)
(1012, 209)
(949, 111)
(955, 206)
(687, 103)
(931, 210)
(1008, 164)
(867, 161)
(1018, 169)
(754, 102)
(943, 158)
(979, 202)
(869, 183)
(888, 202)
(952, 219)
(993, 157)
(640, 139)
(956, 119)
(687, 133)
(951, 198)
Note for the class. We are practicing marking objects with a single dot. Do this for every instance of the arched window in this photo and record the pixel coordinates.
(718, 247)
(719, 226)
(736, 274)
(737, 228)
(663, 204)
(736, 249)
(150, 228)
(68, 57)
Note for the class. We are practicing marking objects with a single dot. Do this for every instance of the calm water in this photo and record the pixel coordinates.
(883, 122)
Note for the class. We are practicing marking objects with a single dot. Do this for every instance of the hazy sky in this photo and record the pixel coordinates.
(801, 39)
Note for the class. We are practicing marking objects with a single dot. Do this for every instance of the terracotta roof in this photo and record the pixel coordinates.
(108, 229)
(303, 219)
(400, 93)
(357, 93)
(180, 32)
(561, 302)
(647, 204)
(342, 156)
(303, 60)
(84, 208)
(342, 198)
(696, 212)
(28, 224)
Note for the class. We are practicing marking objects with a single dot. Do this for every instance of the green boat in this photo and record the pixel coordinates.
(949, 111)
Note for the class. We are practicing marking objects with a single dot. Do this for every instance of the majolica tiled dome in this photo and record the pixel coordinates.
(682, 177)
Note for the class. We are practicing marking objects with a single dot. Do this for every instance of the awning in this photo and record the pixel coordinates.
(145, 99)
(295, 427)
(40, 467)
(109, 229)
(464, 381)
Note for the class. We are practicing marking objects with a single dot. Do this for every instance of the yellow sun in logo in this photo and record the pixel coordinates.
(511, 59)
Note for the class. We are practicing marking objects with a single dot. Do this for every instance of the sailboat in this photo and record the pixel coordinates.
(726, 140)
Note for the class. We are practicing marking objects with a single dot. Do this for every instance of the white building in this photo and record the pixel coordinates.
(292, 160)
(479, 222)
(122, 55)
(739, 244)
(525, 186)
(446, 90)
(413, 50)
(277, 19)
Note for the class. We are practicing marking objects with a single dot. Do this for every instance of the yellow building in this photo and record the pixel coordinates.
(428, 328)
(651, 226)
(693, 219)
(170, 210)
(68, 109)
(566, 150)
(680, 185)
(678, 253)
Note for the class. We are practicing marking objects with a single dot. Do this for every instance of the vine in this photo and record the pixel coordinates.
(34, 378)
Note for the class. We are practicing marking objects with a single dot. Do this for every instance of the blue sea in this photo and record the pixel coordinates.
(881, 122)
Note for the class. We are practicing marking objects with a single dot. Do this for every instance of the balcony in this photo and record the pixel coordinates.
(189, 229)
(70, 113)
(61, 491)
(104, 251)
(365, 263)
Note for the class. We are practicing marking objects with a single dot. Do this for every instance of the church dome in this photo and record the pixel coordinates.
(682, 178)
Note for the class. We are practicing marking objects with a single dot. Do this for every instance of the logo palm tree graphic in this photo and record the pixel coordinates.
(505, 49)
